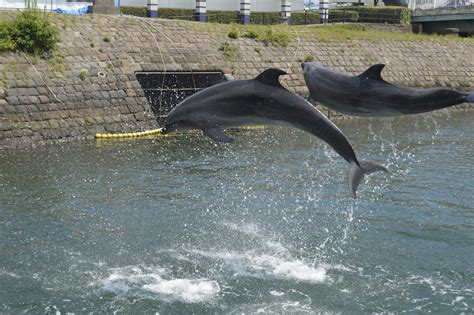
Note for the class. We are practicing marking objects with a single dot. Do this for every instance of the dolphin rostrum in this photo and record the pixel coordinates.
(369, 95)
(262, 100)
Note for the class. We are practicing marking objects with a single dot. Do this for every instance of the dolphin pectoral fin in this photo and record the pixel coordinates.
(357, 172)
(217, 135)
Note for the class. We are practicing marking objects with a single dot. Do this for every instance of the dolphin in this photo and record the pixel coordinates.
(369, 95)
(262, 100)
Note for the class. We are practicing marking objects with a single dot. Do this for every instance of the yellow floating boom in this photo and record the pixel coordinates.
(153, 132)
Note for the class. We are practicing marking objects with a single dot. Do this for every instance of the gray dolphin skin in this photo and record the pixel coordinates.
(369, 95)
(262, 100)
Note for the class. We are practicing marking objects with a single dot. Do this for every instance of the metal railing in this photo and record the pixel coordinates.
(259, 18)
(338, 15)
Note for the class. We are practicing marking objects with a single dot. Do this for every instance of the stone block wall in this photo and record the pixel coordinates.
(90, 86)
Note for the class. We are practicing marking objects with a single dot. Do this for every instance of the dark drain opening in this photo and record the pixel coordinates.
(164, 90)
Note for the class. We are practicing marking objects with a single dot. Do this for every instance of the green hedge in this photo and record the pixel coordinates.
(391, 15)
(214, 16)
(310, 17)
(180, 14)
(387, 14)
(225, 17)
(343, 16)
(266, 18)
(135, 11)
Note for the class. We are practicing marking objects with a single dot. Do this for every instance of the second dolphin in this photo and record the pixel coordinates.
(368, 94)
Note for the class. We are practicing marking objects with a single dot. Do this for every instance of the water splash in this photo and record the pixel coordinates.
(156, 283)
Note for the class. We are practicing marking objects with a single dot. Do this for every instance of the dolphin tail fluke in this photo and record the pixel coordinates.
(357, 172)
(470, 97)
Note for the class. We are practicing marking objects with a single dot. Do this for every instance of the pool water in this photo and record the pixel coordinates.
(265, 224)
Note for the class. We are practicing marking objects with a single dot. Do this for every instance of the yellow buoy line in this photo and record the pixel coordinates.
(153, 132)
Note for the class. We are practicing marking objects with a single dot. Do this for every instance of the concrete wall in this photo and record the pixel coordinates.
(56, 104)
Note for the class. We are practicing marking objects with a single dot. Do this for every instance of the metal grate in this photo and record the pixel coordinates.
(165, 90)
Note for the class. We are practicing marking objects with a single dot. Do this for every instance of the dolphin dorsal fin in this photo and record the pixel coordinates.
(270, 76)
(373, 72)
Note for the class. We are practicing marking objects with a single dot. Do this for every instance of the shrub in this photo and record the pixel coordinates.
(251, 34)
(234, 34)
(229, 52)
(387, 14)
(5, 41)
(343, 16)
(30, 32)
(268, 35)
(308, 17)
(83, 74)
(278, 37)
(308, 58)
(107, 39)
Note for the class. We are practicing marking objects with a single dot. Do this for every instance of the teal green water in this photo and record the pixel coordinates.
(266, 224)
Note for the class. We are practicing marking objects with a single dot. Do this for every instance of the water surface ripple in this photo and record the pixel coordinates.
(266, 224)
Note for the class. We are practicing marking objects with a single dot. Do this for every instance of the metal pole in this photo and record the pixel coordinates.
(286, 10)
(201, 9)
(245, 11)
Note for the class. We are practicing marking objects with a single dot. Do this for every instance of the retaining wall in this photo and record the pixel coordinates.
(93, 89)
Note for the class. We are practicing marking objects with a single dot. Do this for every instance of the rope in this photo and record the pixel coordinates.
(180, 52)
(41, 77)
(294, 55)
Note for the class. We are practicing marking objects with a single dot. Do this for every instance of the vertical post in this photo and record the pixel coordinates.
(201, 8)
(323, 11)
(152, 8)
(286, 10)
(245, 11)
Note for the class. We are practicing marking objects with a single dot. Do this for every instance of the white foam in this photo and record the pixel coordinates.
(277, 293)
(10, 274)
(155, 283)
(186, 290)
(251, 263)
(294, 269)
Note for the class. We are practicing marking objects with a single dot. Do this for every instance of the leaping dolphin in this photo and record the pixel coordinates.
(369, 95)
(263, 100)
